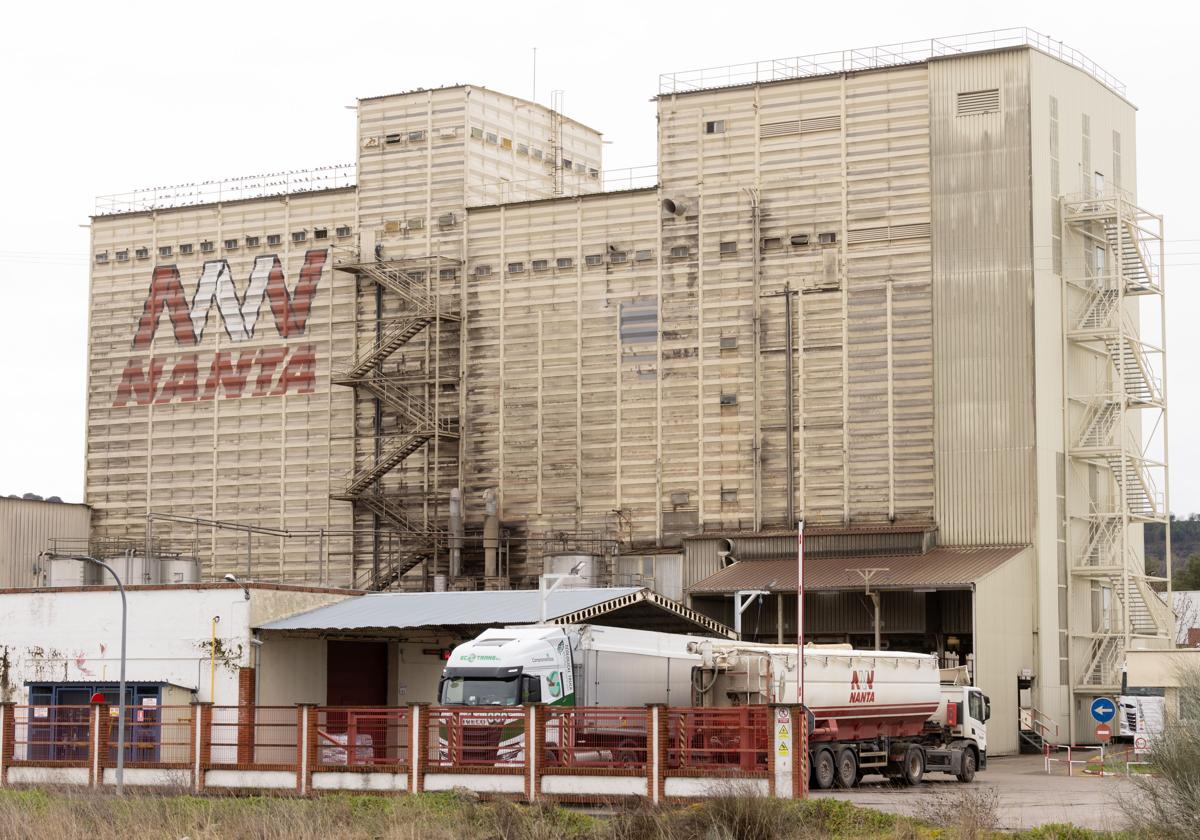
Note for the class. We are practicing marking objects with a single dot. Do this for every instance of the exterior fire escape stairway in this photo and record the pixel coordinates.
(416, 419)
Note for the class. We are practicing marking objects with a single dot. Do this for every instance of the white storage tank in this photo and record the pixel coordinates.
(592, 570)
(62, 571)
(178, 570)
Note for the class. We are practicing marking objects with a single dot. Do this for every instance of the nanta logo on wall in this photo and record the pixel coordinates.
(141, 380)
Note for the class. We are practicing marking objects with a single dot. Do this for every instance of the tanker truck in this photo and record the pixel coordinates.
(892, 713)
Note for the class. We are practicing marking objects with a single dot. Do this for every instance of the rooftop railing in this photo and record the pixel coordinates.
(886, 55)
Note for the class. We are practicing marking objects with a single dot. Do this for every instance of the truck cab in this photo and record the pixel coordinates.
(963, 715)
(510, 666)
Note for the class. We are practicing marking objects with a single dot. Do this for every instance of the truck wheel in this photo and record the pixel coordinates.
(823, 770)
(847, 769)
(966, 772)
(914, 766)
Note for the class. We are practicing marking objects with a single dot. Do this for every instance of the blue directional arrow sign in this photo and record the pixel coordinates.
(1103, 710)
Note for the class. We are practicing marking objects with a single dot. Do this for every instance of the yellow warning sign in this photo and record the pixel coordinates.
(782, 732)
(783, 748)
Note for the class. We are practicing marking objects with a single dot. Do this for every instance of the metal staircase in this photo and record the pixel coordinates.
(1113, 387)
(401, 382)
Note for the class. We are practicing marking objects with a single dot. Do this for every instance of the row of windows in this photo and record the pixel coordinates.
(525, 149)
(208, 247)
(615, 257)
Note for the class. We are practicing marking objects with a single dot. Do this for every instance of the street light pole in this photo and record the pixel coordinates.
(83, 558)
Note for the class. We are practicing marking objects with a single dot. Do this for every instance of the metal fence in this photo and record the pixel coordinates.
(734, 738)
(597, 737)
(363, 737)
(254, 735)
(51, 733)
(154, 735)
(491, 737)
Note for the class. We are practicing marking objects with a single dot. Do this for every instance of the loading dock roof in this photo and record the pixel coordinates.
(941, 568)
(390, 611)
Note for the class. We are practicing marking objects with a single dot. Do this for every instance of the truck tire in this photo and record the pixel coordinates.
(966, 771)
(913, 767)
(823, 770)
(847, 769)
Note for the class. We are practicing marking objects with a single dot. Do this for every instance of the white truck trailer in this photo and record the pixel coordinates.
(884, 712)
(570, 665)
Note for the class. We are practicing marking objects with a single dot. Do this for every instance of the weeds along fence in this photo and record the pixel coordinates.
(524, 753)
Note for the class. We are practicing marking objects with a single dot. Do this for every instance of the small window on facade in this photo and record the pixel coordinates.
(566, 164)
(523, 148)
(679, 251)
(142, 253)
(516, 267)
(728, 248)
(274, 238)
(714, 127)
(476, 133)
(643, 255)
(392, 139)
(729, 495)
(321, 233)
(580, 168)
(729, 342)
(505, 142)
(164, 251)
(537, 154)
(185, 249)
(447, 273)
(446, 220)
(617, 257)
(494, 139)
(206, 247)
(123, 256)
(299, 236)
(230, 244)
(251, 241)
(593, 172)
(799, 240)
(594, 259)
(483, 270)
(829, 238)
(343, 231)
(102, 257)
(564, 262)
(416, 136)
(770, 242)
(540, 265)
(729, 399)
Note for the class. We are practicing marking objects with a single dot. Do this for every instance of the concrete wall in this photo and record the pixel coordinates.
(1004, 609)
(292, 670)
(227, 427)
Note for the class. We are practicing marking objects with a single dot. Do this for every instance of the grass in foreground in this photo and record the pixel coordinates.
(72, 815)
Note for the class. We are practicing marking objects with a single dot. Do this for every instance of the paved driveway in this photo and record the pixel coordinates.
(1027, 796)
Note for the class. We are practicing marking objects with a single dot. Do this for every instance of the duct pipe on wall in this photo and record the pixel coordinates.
(456, 533)
(491, 535)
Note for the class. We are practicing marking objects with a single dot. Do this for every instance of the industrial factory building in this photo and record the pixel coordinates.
(905, 294)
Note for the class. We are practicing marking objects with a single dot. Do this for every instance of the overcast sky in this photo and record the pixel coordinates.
(107, 97)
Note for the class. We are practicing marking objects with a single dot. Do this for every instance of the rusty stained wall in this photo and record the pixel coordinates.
(847, 157)
(239, 446)
(478, 146)
(599, 387)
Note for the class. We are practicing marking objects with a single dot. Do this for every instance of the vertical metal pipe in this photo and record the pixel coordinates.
(456, 533)
(756, 245)
(791, 402)
(800, 611)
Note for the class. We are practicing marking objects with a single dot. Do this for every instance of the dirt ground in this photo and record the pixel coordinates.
(1028, 797)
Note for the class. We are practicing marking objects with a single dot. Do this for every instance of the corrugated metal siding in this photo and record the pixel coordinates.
(26, 528)
(982, 297)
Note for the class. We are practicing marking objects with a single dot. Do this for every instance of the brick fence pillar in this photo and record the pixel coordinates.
(245, 716)
(201, 749)
(417, 746)
(533, 758)
(8, 736)
(98, 724)
(306, 746)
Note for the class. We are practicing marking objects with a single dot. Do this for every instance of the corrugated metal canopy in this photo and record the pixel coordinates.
(942, 568)
(384, 611)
